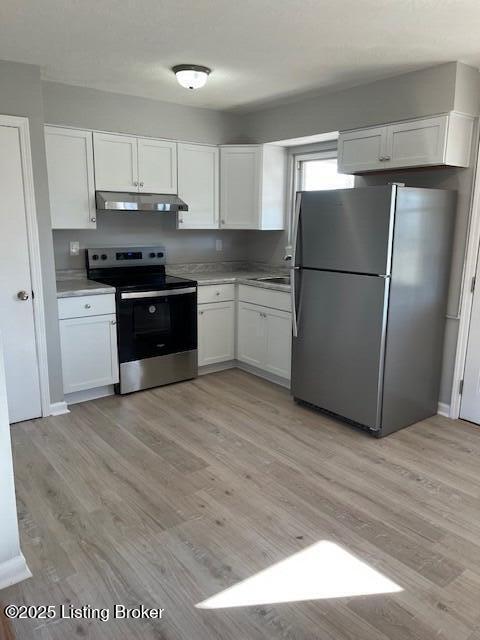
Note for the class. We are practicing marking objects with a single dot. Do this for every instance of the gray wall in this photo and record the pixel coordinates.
(21, 95)
(420, 93)
(94, 109)
(117, 229)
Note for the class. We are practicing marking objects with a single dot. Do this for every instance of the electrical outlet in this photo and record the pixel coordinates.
(74, 248)
(218, 244)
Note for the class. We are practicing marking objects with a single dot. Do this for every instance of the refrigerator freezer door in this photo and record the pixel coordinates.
(337, 358)
(346, 230)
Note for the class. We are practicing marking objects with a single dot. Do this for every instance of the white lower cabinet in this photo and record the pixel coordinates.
(89, 352)
(216, 332)
(265, 338)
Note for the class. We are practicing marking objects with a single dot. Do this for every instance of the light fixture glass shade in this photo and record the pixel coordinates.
(191, 76)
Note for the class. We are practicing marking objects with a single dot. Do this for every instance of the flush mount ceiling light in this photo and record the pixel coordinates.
(191, 76)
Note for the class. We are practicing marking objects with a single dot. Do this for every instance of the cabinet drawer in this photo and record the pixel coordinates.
(216, 293)
(265, 297)
(79, 306)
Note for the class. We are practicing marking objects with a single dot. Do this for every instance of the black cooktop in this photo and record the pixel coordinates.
(141, 281)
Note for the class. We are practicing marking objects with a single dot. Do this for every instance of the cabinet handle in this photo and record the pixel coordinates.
(217, 293)
(88, 306)
(201, 313)
(113, 322)
(141, 184)
(180, 221)
(222, 221)
(135, 183)
(93, 219)
(387, 158)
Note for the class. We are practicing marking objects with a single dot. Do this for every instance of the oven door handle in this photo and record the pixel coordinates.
(157, 294)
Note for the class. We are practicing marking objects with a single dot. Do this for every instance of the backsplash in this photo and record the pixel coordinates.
(183, 246)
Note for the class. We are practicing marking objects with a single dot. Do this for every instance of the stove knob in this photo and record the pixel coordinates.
(103, 256)
(95, 256)
(159, 255)
(151, 255)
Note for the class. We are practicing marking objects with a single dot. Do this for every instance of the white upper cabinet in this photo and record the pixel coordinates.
(439, 140)
(362, 150)
(116, 162)
(252, 187)
(198, 186)
(157, 166)
(70, 178)
(128, 163)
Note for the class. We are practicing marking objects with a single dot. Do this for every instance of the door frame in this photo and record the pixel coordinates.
(35, 267)
(466, 296)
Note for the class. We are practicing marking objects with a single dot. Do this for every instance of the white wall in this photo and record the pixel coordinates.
(12, 563)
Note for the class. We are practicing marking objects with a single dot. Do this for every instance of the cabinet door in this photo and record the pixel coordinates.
(157, 166)
(89, 352)
(116, 163)
(70, 178)
(251, 334)
(198, 173)
(240, 187)
(278, 338)
(362, 150)
(216, 331)
(421, 142)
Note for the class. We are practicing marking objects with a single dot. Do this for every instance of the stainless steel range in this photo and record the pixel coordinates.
(156, 316)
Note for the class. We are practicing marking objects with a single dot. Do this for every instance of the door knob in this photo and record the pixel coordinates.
(22, 295)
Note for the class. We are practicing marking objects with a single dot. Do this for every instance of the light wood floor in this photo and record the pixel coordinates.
(166, 497)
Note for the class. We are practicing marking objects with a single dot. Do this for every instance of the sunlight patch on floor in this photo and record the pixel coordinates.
(323, 570)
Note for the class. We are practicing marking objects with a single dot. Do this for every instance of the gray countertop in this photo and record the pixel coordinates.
(235, 277)
(81, 287)
(75, 283)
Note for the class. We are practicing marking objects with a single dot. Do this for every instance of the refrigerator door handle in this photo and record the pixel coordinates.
(296, 222)
(293, 273)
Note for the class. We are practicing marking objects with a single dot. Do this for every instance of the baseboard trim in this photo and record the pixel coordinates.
(443, 409)
(90, 394)
(271, 377)
(217, 366)
(13, 571)
(58, 408)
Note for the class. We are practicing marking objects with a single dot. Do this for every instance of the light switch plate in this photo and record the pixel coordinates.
(74, 248)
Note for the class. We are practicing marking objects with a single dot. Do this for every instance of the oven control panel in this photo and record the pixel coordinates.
(98, 258)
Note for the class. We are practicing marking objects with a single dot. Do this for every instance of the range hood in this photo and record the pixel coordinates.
(153, 202)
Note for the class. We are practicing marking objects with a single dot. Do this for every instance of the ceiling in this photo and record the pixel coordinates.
(260, 50)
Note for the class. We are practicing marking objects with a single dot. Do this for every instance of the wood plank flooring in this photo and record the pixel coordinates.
(166, 497)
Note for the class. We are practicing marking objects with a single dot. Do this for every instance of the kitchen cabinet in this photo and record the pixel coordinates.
(252, 187)
(198, 186)
(71, 182)
(216, 323)
(443, 140)
(216, 332)
(265, 338)
(129, 163)
(88, 342)
(265, 330)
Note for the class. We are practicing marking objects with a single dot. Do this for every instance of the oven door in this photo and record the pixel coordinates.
(156, 323)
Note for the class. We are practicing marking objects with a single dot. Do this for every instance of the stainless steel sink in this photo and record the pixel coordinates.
(274, 279)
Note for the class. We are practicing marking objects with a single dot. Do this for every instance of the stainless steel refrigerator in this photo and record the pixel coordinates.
(370, 269)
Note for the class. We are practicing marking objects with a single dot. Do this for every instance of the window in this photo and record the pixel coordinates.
(318, 171)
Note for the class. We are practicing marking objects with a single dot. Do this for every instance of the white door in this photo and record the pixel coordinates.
(216, 332)
(116, 162)
(278, 349)
(16, 317)
(470, 405)
(71, 181)
(198, 173)
(362, 150)
(89, 352)
(240, 169)
(157, 166)
(251, 334)
(421, 142)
